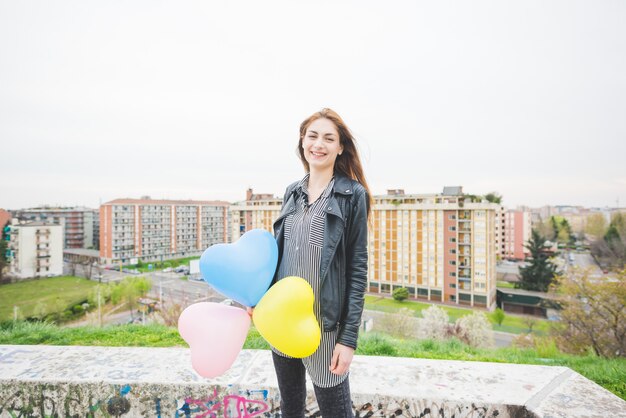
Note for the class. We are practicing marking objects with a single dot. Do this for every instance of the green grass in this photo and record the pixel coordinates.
(127, 335)
(55, 292)
(512, 324)
(505, 285)
(157, 265)
(609, 373)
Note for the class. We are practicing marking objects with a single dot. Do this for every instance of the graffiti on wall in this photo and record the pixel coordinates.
(425, 409)
(227, 406)
(45, 402)
(56, 400)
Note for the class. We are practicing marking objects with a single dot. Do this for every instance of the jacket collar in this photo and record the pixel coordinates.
(302, 186)
(343, 184)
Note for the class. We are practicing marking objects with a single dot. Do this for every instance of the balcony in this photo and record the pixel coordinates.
(465, 285)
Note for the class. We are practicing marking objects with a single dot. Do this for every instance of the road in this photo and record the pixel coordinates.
(580, 260)
(173, 288)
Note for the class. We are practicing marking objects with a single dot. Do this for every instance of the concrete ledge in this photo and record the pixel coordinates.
(50, 381)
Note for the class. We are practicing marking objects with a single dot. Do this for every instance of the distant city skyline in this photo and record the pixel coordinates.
(100, 101)
(279, 195)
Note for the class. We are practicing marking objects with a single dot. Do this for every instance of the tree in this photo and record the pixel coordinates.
(169, 312)
(593, 313)
(596, 225)
(530, 322)
(562, 230)
(554, 224)
(540, 272)
(87, 268)
(129, 290)
(544, 228)
(400, 293)
(498, 316)
(618, 220)
(494, 197)
(610, 250)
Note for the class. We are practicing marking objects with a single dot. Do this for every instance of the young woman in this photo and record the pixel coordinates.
(322, 237)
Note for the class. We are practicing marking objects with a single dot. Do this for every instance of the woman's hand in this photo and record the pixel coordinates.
(250, 311)
(342, 357)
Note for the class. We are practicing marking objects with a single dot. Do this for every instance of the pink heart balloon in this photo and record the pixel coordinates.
(215, 334)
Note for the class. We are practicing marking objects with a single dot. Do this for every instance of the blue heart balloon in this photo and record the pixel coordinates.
(242, 271)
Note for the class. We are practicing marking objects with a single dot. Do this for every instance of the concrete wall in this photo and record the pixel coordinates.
(47, 381)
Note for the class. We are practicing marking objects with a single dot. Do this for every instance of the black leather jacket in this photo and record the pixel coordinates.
(343, 267)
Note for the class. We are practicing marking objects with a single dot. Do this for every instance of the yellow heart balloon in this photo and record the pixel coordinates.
(284, 317)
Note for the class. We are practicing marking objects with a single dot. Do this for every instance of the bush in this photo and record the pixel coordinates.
(78, 309)
(434, 324)
(474, 330)
(400, 324)
(400, 293)
(66, 316)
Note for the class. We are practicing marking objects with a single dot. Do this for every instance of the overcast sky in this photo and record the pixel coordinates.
(203, 99)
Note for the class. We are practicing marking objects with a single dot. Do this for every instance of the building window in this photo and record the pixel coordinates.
(452, 263)
(452, 239)
(452, 251)
(452, 228)
(453, 274)
(453, 285)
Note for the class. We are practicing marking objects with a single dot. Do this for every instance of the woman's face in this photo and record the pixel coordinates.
(321, 144)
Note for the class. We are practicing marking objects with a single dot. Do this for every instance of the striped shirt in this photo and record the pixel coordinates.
(302, 254)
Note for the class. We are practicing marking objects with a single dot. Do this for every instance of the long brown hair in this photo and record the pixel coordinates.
(349, 162)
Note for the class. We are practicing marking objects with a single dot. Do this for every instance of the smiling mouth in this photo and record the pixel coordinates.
(315, 154)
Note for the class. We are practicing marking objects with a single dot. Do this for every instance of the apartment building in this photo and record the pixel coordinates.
(35, 249)
(516, 232)
(77, 223)
(155, 230)
(257, 211)
(95, 242)
(5, 217)
(441, 247)
(499, 230)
